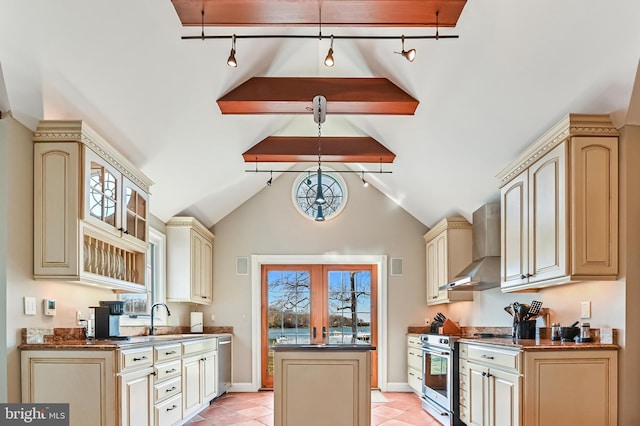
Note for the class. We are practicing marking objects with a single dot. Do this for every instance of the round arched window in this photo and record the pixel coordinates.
(305, 193)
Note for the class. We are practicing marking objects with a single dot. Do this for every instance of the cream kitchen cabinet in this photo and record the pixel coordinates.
(559, 207)
(83, 379)
(448, 251)
(589, 377)
(90, 209)
(414, 363)
(135, 386)
(189, 261)
(494, 387)
(167, 388)
(199, 370)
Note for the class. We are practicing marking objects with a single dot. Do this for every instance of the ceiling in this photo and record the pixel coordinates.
(517, 68)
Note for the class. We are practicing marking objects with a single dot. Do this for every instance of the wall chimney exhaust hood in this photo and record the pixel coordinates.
(484, 272)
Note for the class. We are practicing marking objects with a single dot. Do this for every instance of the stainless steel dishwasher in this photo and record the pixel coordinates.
(224, 364)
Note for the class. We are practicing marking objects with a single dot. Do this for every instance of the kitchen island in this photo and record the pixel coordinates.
(319, 385)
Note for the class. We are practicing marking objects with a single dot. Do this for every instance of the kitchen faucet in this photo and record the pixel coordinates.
(151, 332)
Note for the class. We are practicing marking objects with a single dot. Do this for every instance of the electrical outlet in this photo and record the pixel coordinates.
(426, 321)
(213, 317)
(79, 317)
(585, 310)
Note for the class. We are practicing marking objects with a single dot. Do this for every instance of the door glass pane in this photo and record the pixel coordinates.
(289, 302)
(110, 197)
(349, 306)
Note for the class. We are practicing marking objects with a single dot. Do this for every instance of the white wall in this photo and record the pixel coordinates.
(268, 224)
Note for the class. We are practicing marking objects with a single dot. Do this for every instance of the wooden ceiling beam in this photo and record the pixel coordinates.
(294, 95)
(363, 13)
(299, 149)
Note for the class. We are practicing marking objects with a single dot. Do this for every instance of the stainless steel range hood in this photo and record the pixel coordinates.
(484, 272)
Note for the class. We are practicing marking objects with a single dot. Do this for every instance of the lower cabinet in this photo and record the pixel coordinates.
(571, 388)
(414, 363)
(156, 385)
(538, 387)
(73, 377)
(198, 375)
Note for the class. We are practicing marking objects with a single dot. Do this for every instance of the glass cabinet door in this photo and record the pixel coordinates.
(134, 212)
(103, 194)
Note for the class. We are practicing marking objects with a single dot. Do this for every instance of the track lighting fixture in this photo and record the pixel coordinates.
(328, 61)
(232, 56)
(270, 181)
(410, 54)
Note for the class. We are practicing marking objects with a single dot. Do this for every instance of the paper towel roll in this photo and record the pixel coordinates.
(196, 322)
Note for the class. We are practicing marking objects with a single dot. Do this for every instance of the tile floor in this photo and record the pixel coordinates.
(256, 409)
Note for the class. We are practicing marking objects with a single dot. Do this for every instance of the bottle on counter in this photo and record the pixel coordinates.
(555, 331)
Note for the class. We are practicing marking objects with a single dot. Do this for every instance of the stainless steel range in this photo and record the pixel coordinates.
(440, 386)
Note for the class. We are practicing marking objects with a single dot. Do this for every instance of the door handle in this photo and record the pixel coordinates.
(324, 332)
(314, 332)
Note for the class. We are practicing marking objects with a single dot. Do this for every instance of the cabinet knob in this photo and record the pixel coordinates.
(484, 374)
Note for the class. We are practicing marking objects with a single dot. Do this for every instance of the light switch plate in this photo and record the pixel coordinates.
(29, 305)
(585, 310)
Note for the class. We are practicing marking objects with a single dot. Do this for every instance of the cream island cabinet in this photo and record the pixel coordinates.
(90, 209)
(448, 251)
(189, 261)
(414, 363)
(320, 385)
(155, 383)
(536, 387)
(559, 203)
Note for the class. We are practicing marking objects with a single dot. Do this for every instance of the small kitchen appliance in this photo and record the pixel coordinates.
(108, 319)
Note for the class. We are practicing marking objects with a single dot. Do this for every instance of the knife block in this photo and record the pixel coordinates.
(450, 328)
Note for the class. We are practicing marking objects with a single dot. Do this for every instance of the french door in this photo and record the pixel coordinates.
(303, 304)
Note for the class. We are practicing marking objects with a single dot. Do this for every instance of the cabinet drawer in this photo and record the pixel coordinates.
(464, 351)
(169, 412)
(189, 348)
(495, 357)
(414, 358)
(167, 370)
(414, 379)
(167, 389)
(167, 352)
(135, 358)
(414, 341)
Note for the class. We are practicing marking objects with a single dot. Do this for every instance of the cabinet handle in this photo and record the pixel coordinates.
(486, 357)
(411, 374)
(484, 374)
(203, 358)
(170, 353)
(171, 390)
(173, 407)
(153, 373)
(523, 276)
(142, 358)
(173, 370)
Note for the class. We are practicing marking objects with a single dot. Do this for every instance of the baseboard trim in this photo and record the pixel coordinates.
(398, 387)
(243, 387)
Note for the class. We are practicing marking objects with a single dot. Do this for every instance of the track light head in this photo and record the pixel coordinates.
(270, 181)
(328, 60)
(232, 56)
(364, 182)
(409, 55)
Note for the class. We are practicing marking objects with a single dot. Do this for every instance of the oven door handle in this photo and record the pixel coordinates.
(435, 407)
(429, 351)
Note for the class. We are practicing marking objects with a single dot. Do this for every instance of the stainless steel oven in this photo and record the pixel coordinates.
(440, 386)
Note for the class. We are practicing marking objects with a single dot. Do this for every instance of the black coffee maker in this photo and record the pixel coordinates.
(108, 319)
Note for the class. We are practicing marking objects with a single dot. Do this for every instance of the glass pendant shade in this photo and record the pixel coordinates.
(319, 195)
(319, 215)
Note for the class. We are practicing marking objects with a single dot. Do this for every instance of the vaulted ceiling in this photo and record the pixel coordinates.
(516, 68)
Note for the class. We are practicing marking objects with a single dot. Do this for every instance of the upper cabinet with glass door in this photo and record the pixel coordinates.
(90, 209)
